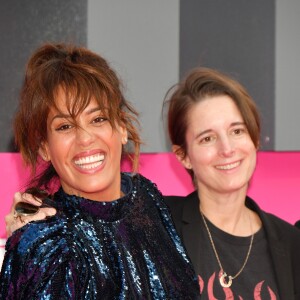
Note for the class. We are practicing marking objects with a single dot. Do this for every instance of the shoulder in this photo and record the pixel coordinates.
(45, 245)
(145, 192)
(38, 237)
(143, 181)
(287, 230)
(180, 207)
(177, 203)
(145, 185)
(276, 227)
(41, 254)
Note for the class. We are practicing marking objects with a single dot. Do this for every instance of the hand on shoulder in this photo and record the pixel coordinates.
(14, 222)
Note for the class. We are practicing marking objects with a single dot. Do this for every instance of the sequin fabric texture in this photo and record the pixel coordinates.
(124, 249)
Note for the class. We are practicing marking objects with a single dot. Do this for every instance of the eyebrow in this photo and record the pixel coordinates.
(65, 116)
(203, 133)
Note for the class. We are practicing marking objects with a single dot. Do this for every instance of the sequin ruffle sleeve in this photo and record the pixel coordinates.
(40, 263)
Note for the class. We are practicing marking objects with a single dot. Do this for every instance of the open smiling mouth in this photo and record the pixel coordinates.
(90, 162)
(229, 166)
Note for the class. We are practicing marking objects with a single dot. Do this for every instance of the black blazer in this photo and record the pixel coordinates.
(283, 239)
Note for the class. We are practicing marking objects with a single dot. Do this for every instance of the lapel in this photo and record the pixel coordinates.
(279, 253)
(190, 228)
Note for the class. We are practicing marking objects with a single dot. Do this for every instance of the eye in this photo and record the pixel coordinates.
(239, 131)
(99, 120)
(208, 139)
(63, 127)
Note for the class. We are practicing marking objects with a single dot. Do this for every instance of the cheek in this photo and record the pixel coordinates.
(201, 157)
(249, 147)
(58, 147)
(113, 142)
(253, 158)
(250, 152)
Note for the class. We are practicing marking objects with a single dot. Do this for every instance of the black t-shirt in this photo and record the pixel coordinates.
(256, 281)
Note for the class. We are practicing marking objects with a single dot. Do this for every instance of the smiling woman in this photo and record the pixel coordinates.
(87, 145)
(238, 250)
(215, 133)
(112, 236)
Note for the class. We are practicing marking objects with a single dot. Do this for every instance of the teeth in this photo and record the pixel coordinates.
(91, 166)
(229, 166)
(93, 161)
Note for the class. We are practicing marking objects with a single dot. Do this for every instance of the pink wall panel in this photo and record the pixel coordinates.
(275, 185)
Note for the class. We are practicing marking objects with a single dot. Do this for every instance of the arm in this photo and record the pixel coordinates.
(13, 223)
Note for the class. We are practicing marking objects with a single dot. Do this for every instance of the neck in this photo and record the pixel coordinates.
(228, 212)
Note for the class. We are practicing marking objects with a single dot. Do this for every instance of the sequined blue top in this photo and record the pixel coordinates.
(124, 249)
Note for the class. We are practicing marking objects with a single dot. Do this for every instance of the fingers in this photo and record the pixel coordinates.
(26, 198)
(9, 221)
(18, 197)
(14, 221)
(43, 213)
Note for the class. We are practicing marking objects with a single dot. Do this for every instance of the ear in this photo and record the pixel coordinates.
(124, 134)
(258, 146)
(44, 153)
(182, 157)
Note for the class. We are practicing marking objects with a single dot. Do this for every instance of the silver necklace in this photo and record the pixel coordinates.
(226, 280)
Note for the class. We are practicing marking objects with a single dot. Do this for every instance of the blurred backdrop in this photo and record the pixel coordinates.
(152, 44)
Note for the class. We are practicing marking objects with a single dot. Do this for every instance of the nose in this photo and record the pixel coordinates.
(84, 137)
(226, 146)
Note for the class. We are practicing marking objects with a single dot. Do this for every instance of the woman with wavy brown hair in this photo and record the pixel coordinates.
(112, 236)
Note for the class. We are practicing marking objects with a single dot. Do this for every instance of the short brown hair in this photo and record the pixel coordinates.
(83, 75)
(199, 84)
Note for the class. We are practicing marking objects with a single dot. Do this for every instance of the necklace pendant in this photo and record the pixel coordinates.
(225, 283)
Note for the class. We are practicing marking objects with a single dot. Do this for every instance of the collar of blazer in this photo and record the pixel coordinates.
(280, 254)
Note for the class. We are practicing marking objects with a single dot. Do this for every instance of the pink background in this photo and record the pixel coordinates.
(275, 184)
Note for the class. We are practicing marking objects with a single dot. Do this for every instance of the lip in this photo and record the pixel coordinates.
(89, 162)
(229, 166)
